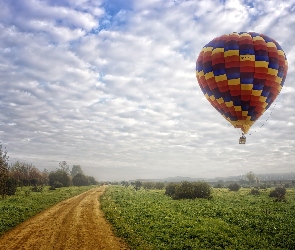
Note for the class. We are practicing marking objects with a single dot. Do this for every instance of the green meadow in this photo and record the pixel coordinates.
(148, 219)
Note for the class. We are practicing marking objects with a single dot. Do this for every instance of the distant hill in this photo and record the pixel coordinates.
(262, 177)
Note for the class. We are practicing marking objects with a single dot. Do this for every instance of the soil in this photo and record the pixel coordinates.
(76, 223)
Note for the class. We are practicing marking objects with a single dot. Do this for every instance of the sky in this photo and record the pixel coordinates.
(111, 85)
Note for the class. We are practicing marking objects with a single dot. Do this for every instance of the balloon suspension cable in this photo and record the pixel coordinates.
(268, 115)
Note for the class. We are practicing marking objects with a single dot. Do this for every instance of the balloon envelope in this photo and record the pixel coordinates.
(241, 74)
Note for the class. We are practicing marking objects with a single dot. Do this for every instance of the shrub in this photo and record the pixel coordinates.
(219, 185)
(170, 189)
(188, 190)
(287, 185)
(254, 191)
(234, 187)
(278, 193)
(57, 184)
(59, 176)
(80, 180)
(11, 185)
(37, 188)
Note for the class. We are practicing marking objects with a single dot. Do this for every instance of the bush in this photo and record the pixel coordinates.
(57, 184)
(188, 190)
(11, 185)
(254, 191)
(278, 193)
(287, 185)
(37, 188)
(59, 176)
(219, 185)
(80, 180)
(234, 187)
(170, 189)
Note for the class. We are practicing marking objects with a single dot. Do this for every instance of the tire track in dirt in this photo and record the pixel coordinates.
(76, 223)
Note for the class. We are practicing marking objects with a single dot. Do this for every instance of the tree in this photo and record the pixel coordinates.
(4, 171)
(80, 180)
(64, 167)
(137, 185)
(251, 177)
(59, 176)
(26, 174)
(278, 193)
(76, 169)
(91, 180)
(234, 187)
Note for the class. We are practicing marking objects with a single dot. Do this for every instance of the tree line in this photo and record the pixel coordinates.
(20, 174)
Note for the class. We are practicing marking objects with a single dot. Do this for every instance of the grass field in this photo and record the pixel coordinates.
(230, 220)
(16, 209)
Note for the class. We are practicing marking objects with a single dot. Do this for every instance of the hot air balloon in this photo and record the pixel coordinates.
(241, 74)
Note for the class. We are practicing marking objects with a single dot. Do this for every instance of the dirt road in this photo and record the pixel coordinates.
(76, 223)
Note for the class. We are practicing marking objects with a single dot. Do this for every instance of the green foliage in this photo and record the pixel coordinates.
(16, 209)
(76, 169)
(188, 190)
(80, 180)
(231, 220)
(170, 189)
(153, 185)
(91, 180)
(279, 193)
(254, 191)
(234, 187)
(57, 184)
(251, 177)
(4, 172)
(63, 166)
(137, 185)
(11, 185)
(219, 185)
(59, 176)
(37, 189)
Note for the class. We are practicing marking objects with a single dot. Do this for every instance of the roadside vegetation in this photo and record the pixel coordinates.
(25, 190)
(149, 219)
(25, 204)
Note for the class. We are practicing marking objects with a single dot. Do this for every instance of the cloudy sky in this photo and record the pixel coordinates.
(111, 85)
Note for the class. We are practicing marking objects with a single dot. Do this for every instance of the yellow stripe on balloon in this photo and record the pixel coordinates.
(229, 104)
(231, 53)
(271, 44)
(212, 97)
(220, 100)
(206, 49)
(273, 72)
(281, 53)
(238, 108)
(257, 38)
(256, 92)
(209, 75)
(261, 64)
(244, 113)
(217, 50)
(262, 98)
(279, 80)
(201, 73)
(234, 81)
(220, 78)
(246, 86)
